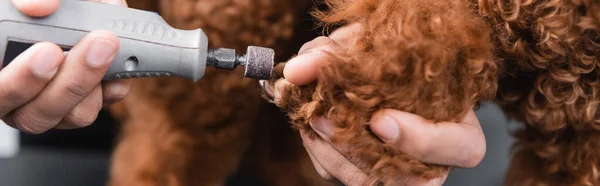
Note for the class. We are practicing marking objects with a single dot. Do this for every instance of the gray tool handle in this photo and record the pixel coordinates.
(149, 46)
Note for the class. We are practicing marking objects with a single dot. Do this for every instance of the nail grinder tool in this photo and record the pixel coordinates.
(149, 47)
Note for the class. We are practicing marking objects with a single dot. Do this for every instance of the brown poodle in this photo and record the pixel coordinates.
(434, 58)
(437, 59)
(428, 57)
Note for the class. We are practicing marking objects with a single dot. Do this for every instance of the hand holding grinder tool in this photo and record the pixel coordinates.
(149, 47)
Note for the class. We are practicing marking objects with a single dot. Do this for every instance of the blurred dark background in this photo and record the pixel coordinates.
(65, 158)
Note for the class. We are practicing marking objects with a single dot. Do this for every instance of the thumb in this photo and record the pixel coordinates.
(304, 68)
(445, 143)
(36, 8)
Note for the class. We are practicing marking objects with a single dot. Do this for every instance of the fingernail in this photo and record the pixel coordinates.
(115, 2)
(386, 128)
(323, 127)
(100, 51)
(45, 63)
(118, 89)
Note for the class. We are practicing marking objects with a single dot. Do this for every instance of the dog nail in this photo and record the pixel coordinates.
(323, 127)
(264, 84)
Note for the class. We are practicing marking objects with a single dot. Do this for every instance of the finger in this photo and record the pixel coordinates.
(320, 170)
(452, 144)
(82, 71)
(85, 113)
(25, 77)
(346, 36)
(323, 127)
(303, 69)
(335, 163)
(114, 91)
(399, 180)
(36, 8)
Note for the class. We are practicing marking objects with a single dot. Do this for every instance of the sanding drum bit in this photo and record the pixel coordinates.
(258, 62)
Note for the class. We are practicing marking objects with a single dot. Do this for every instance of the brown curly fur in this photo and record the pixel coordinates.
(429, 57)
(433, 58)
(551, 50)
(417, 57)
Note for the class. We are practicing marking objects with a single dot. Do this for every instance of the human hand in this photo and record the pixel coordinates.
(42, 89)
(459, 145)
(452, 144)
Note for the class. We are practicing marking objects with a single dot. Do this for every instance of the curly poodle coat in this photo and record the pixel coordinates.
(551, 51)
(437, 59)
(429, 57)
